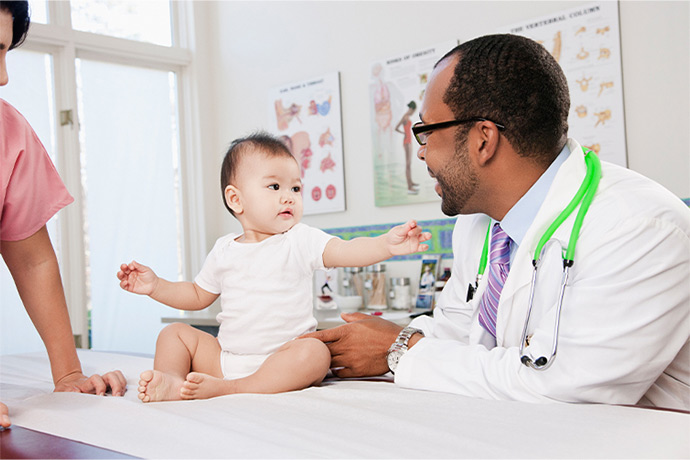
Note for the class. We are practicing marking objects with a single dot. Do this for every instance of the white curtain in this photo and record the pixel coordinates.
(129, 141)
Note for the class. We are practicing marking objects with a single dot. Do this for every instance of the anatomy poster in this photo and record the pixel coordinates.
(586, 43)
(306, 116)
(395, 93)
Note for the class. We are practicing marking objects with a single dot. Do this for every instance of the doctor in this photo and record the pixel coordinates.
(494, 134)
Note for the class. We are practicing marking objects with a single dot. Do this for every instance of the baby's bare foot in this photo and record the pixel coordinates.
(204, 386)
(159, 386)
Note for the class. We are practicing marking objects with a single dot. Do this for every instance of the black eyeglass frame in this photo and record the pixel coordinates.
(420, 128)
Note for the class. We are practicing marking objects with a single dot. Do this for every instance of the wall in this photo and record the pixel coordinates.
(254, 46)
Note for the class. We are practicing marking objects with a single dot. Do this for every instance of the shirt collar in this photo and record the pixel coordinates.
(522, 214)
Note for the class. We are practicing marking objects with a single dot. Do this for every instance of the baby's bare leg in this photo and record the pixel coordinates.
(296, 365)
(180, 348)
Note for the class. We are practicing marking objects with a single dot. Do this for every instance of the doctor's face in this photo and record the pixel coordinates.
(5, 43)
(447, 157)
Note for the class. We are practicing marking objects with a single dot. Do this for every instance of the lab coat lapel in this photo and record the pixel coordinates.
(513, 304)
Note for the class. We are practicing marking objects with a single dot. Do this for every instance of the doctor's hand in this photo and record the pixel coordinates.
(96, 384)
(360, 347)
(137, 278)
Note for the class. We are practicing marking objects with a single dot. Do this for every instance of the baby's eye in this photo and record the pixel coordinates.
(296, 189)
(274, 187)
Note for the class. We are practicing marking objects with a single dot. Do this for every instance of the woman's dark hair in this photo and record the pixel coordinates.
(261, 142)
(512, 80)
(20, 20)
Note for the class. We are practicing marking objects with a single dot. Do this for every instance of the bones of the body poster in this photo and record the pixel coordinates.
(586, 43)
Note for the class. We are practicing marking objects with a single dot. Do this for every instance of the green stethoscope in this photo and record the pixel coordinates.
(583, 198)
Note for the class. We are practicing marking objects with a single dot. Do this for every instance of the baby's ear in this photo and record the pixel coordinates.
(232, 198)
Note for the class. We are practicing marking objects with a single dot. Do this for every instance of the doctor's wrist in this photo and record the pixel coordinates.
(416, 337)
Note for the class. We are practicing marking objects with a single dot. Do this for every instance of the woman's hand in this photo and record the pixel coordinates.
(96, 384)
(4, 416)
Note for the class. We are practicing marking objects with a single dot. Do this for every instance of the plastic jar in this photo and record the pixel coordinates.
(352, 282)
(375, 287)
(400, 295)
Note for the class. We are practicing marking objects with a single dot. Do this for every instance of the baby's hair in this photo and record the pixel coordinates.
(259, 142)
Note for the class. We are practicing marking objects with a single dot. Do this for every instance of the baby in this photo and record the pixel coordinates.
(264, 279)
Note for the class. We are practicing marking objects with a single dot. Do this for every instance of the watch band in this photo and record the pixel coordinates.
(399, 347)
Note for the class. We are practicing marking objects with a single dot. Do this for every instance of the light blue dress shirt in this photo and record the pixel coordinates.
(518, 219)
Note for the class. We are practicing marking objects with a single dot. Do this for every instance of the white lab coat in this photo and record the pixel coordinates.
(625, 322)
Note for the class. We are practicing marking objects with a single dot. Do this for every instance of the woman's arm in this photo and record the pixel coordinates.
(34, 268)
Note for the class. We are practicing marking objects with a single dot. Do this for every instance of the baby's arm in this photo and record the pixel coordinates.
(400, 240)
(182, 295)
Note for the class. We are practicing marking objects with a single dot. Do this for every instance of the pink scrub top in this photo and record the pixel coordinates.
(31, 190)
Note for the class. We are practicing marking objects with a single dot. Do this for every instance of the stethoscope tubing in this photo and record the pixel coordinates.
(583, 197)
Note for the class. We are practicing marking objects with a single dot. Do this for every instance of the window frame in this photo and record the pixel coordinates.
(66, 45)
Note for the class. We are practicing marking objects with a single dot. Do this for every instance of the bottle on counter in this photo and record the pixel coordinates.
(352, 289)
(352, 282)
(400, 295)
(375, 287)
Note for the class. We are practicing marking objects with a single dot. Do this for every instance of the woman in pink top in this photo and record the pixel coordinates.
(31, 192)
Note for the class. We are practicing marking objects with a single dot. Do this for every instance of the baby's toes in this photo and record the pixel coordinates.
(194, 378)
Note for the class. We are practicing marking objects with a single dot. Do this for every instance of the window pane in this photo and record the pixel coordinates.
(129, 144)
(30, 91)
(146, 21)
(39, 11)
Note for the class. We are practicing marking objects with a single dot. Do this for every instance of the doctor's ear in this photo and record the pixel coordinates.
(487, 141)
(232, 199)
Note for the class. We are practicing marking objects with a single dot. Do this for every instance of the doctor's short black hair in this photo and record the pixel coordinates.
(515, 81)
(257, 142)
(20, 20)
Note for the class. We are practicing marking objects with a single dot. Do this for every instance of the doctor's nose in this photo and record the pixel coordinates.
(421, 153)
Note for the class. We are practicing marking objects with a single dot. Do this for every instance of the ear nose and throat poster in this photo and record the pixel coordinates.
(306, 116)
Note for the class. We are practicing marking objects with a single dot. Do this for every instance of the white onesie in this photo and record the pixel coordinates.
(265, 293)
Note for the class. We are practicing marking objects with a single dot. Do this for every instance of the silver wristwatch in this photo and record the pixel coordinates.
(399, 347)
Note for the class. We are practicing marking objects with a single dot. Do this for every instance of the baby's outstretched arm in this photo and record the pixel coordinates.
(140, 279)
(402, 239)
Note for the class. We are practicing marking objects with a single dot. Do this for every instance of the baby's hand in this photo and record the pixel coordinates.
(407, 239)
(137, 278)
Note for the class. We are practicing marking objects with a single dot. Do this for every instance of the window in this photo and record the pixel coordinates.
(147, 21)
(130, 176)
(100, 81)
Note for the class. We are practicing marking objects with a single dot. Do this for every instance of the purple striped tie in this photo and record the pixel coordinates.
(499, 265)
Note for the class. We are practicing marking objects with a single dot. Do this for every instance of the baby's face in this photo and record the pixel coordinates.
(270, 190)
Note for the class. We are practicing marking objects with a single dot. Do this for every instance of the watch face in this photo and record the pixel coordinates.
(393, 358)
